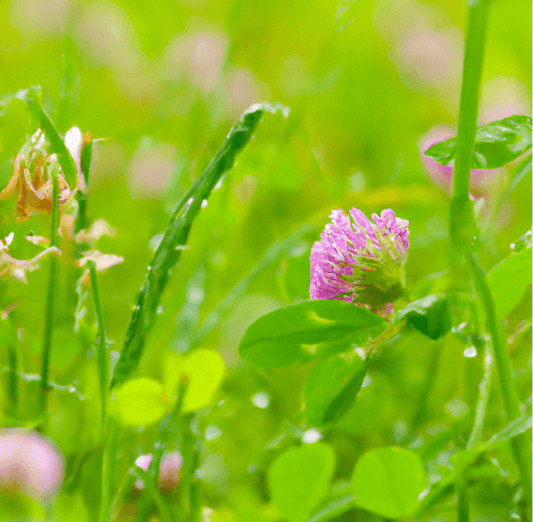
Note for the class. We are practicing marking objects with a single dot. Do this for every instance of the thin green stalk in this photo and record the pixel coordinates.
(101, 344)
(195, 492)
(108, 467)
(431, 371)
(482, 400)
(462, 500)
(462, 223)
(13, 357)
(521, 443)
(466, 125)
(49, 314)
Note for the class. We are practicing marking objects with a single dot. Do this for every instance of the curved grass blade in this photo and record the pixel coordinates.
(32, 98)
(496, 144)
(175, 237)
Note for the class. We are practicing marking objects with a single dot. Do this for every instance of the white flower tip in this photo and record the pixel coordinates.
(74, 142)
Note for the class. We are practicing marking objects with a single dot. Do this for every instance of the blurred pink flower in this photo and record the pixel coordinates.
(169, 470)
(30, 463)
(442, 175)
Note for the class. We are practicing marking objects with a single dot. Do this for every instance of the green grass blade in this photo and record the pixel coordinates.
(175, 237)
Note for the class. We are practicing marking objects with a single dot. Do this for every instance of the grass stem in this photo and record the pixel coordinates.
(521, 443)
(49, 313)
(101, 343)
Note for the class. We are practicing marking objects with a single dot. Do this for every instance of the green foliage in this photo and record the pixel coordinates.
(158, 89)
(175, 237)
(388, 481)
(430, 315)
(141, 401)
(299, 479)
(509, 279)
(308, 331)
(203, 370)
(331, 387)
(496, 144)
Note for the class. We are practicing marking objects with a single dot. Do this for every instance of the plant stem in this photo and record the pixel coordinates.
(108, 466)
(49, 314)
(13, 357)
(466, 125)
(521, 443)
(101, 343)
(482, 401)
(462, 500)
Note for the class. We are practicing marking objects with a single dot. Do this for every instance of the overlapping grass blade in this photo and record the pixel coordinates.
(175, 237)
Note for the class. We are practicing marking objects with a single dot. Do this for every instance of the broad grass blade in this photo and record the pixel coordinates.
(175, 237)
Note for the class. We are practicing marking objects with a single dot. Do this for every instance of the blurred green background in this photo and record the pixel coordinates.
(163, 82)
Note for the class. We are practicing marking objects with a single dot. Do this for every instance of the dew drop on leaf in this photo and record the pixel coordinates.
(470, 352)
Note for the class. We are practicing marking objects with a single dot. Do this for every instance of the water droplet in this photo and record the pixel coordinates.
(160, 309)
(212, 432)
(136, 307)
(219, 183)
(470, 351)
(311, 436)
(513, 246)
(367, 381)
(261, 400)
(204, 203)
(195, 295)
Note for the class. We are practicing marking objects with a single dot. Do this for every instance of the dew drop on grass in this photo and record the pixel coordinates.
(470, 352)
(204, 203)
(367, 381)
(219, 183)
(160, 309)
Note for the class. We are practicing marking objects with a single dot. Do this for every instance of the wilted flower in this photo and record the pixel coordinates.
(30, 463)
(32, 179)
(17, 268)
(359, 261)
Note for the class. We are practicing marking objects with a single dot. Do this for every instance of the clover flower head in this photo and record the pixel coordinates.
(360, 261)
(30, 463)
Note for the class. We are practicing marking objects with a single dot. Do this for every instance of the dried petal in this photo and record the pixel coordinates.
(102, 261)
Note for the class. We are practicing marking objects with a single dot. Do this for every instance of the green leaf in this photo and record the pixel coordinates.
(308, 331)
(331, 387)
(497, 144)
(334, 508)
(299, 479)
(175, 237)
(204, 370)
(141, 401)
(508, 280)
(32, 98)
(430, 315)
(387, 481)
(514, 428)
